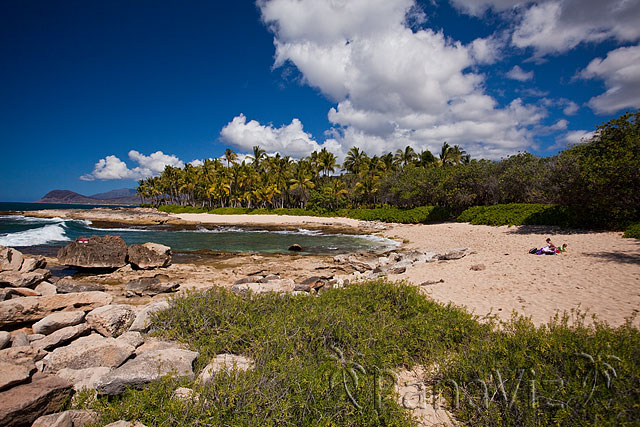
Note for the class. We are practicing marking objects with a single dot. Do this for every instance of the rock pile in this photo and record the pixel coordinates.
(69, 335)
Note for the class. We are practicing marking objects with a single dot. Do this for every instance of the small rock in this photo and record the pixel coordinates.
(24, 403)
(186, 395)
(398, 270)
(24, 356)
(149, 255)
(142, 322)
(10, 259)
(19, 339)
(123, 423)
(454, 254)
(33, 263)
(269, 278)
(67, 285)
(23, 292)
(72, 418)
(132, 338)
(149, 286)
(12, 374)
(478, 267)
(111, 320)
(295, 248)
(247, 280)
(35, 337)
(46, 289)
(5, 338)
(431, 282)
(302, 288)
(58, 320)
(225, 362)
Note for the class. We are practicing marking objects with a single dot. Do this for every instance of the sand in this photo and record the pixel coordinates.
(600, 274)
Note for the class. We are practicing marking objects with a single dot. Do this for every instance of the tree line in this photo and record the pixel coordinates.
(600, 177)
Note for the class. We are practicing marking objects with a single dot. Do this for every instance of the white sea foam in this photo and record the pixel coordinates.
(36, 236)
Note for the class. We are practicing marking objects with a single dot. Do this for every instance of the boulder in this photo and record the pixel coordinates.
(24, 403)
(146, 367)
(33, 263)
(150, 286)
(12, 374)
(88, 352)
(111, 320)
(153, 344)
(108, 252)
(61, 336)
(142, 323)
(23, 356)
(18, 279)
(67, 285)
(56, 321)
(295, 248)
(72, 418)
(132, 338)
(10, 259)
(31, 309)
(149, 255)
(5, 339)
(87, 378)
(225, 362)
(46, 289)
(478, 267)
(123, 423)
(19, 339)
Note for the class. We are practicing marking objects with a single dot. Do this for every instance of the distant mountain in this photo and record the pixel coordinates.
(124, 196)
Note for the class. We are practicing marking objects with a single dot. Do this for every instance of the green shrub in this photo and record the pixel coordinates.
(299, 343)
(633, 231)
(522, 214)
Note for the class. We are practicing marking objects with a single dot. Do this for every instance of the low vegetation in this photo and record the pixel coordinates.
(633, 231)
(326, 361)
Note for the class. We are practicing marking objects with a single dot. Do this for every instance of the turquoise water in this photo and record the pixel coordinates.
(20, 231)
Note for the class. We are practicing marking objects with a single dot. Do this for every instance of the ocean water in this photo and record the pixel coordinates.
(19, 231)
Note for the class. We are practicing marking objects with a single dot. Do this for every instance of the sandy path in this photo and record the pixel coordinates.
(600, 272)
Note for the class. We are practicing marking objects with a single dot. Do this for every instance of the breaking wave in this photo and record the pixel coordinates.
(36, 236)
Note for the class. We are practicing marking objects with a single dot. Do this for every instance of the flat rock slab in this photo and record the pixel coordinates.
(150, 286)
(67, 285)
(12, 374)
(112, 320)
(73, 418)
(31, 309)
(33, 263)
(146, 367)
(18, 279)
(225, 362)
(61, 336)
(149, 255)
(25, 356)
(87, 378)
(142, 323)
(107, 252)
(55, 321)
(88, 352)
(24, 403)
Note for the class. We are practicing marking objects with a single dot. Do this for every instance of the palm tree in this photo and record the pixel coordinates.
(327, 161)
(258, 154)
(445, 154)
(406, 156)
(425, 158)
(302, 180)
(354, 161)
(230, 156)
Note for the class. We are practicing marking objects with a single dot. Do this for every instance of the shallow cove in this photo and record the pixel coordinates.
(26, 232)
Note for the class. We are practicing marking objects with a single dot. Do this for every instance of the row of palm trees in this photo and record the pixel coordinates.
(263, 181)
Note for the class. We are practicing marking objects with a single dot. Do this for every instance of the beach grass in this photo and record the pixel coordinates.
(325, 360)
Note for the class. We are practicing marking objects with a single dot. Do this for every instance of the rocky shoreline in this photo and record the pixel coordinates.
(89, 331)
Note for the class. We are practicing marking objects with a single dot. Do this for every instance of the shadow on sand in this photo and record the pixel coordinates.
(550, 230)
(619, 257)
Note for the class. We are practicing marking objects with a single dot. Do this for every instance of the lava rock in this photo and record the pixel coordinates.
(108, 252)
(149, 255)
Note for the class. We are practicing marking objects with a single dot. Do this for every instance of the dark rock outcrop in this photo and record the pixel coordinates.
(108, 252)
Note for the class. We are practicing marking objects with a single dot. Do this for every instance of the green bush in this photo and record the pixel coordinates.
(301, 343)
(522, 214)
(633, 231)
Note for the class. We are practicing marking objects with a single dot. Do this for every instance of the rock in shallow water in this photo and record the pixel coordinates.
(108, 252)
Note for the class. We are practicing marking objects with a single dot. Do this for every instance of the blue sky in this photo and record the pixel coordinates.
(98, 94)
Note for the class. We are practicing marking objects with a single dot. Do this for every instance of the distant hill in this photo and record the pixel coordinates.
(123, 196)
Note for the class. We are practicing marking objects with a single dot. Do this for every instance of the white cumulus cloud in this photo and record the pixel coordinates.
(620, 71)
(517, 73)
(393, 85)
(111, 167)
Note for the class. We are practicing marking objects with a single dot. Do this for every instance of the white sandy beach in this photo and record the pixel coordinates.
(600, 272)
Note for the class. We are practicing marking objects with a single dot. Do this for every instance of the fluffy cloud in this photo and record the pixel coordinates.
(577, 136)
(289, 140)
(517, 73)
(393, 85)
(111, 167)
(620, 71)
